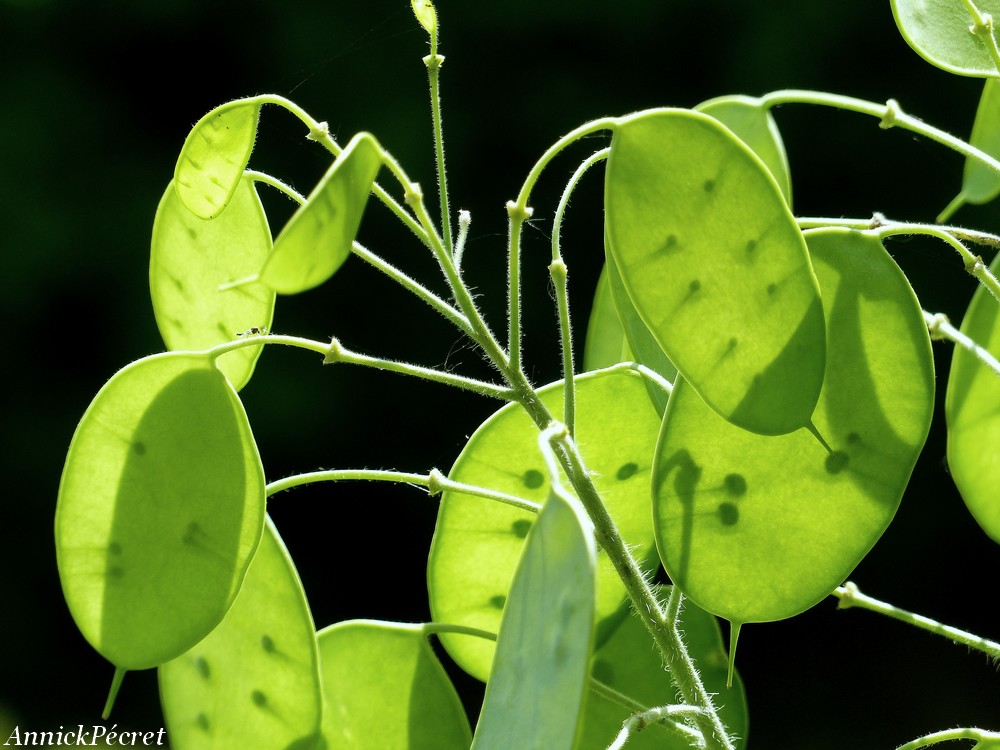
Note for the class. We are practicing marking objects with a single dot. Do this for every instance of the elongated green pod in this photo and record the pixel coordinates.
(160, 509)
(980, 182)
(191, 258)
(605, 343)
(645, 349)
(214, 155)
(385, 688)
(319, 236)
(972, 410)
(752, 123)
(537, 684)
(716, 267)
(254, 680)
(477, 542)
(625, 664)
(941, 32)
(756, 528)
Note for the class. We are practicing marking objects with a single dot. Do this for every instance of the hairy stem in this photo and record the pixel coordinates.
(941, 328)
(950, 735)
(849, 596)
(435, 483)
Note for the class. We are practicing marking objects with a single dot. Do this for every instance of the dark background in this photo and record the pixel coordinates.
(95, 101)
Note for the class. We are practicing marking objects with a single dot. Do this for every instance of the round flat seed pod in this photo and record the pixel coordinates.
(160, 509)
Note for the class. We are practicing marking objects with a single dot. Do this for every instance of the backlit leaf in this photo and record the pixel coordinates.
(752, 123)
(605, 343)
(318, 237)
(980, 182)
(716, 267)
(191, 258)
(214, 155)
(161, 506)
(385, 690)
(972, 409)
(478, 542)
(940, 32)
(253, 681)
(537, 685)
(756, 528)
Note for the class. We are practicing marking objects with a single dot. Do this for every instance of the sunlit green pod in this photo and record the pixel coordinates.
(160, 509)
(605, 343)
(254, 681)
(384, 688)
(318, 238)
(538, 682)
(640, 341)
(940, 31)
(980, 182)
(191, 258)
(752, 123)
(628, 664)
(477, 542)
(972, 410)
(214, 156)
(716, 267)
(756, 528)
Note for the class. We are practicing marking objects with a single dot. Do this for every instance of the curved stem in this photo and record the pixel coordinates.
(336, 353)
(559, 272)
(950, 735)
(889, 114)
(849, 596)
(519, 212)
(434, 62)
(434, 482)
(320, 132)
(974, 264)
(252, 338)
(436, 628)
(941, 328)
(413, 286)
(277, 184)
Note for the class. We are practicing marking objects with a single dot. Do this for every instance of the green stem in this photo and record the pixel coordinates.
(889, 114)
(941, 328)
(519, 212)
(677, 716)
(882, 227)
(320, 132)
(116, 684)
(849, 596)
(434, 62)
(403, 279)
(483, 335)
(254, 339)
(336, 353)
(982, 27)
(277, 184)
(558, 271)
(413, 286)
(974, 264)
(661, 623)
(435, 482)
(436, 628)
(950, 735)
